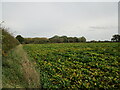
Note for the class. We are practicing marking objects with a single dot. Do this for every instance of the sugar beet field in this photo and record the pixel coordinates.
(76, 65)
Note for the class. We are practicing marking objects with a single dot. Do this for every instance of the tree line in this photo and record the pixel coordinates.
(61, 39)
(54, 39)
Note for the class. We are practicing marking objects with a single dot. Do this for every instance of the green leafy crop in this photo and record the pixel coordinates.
(77, 65)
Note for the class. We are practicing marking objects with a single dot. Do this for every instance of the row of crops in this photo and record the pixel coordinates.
(76, 65)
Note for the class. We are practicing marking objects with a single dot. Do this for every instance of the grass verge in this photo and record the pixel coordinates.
(18, 71)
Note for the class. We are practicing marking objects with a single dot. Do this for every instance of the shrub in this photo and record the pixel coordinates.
(8, 41)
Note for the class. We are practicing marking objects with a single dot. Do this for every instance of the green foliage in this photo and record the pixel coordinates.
(20, 38)
(12, 73)
(116, 38)
(8, 42)
(18, 71)
(65, 39)
(77, 65)
(12, 65)
(54, 39)
(82, 39)
(35, 40)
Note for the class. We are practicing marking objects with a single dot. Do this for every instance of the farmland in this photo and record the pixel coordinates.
(76, 65)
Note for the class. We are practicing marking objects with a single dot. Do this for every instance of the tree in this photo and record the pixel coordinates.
(71, 39)
(65, 39)
(55, 39)
(82, 39)
(76, 39)
(20, 38)
(116, 38)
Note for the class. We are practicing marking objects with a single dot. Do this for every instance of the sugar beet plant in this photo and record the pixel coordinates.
(76, 65)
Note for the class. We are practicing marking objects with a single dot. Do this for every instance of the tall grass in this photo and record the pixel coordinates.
(8, 41)
(15, 65)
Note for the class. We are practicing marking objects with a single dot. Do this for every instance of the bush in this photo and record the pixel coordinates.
(20, 38)
(8, 41)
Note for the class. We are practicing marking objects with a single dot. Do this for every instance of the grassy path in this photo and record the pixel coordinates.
(29, 71)
(19, 71)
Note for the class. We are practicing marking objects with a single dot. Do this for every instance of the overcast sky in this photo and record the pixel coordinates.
(94, 20)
